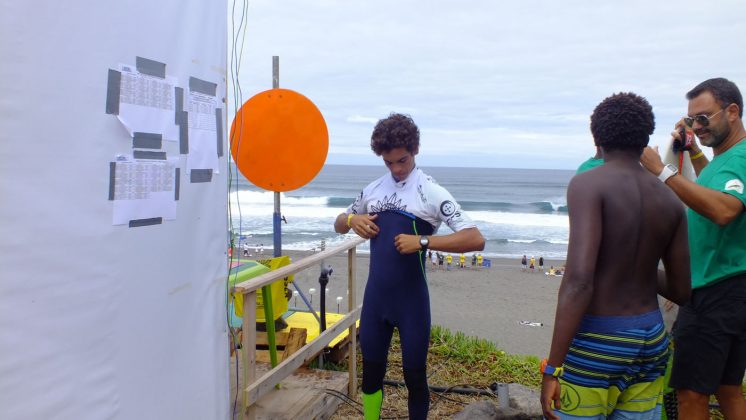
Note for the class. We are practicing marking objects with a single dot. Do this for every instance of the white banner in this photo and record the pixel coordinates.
(101, 320)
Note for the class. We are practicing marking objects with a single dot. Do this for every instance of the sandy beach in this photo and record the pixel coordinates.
(512, 308)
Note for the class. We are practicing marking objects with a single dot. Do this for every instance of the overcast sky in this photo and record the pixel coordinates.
(490, 83)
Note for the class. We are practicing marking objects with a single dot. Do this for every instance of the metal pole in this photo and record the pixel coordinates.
(276, 216)
(323, 281)
(305, 300)
(269, 319)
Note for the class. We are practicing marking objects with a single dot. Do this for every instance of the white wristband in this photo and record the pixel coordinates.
(667, 172)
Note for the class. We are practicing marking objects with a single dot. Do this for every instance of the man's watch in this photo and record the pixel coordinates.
(667, 172)
(424, 242)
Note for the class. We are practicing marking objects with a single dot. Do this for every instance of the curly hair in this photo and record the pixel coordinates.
(397, 130)
(724, 91)
(623, 121)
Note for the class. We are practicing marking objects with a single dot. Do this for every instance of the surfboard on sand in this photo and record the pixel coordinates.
(673, 158)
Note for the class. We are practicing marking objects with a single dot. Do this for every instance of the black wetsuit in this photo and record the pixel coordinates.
(396, 296)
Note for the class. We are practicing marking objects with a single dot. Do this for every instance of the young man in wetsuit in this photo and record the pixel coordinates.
(399, 212)
(609, 348)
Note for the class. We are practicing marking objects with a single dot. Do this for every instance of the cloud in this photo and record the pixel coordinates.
(513, 78)
(361, 119)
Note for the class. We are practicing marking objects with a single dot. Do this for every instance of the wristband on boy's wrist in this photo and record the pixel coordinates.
(349, 219)
(546, 369)
(696, 156)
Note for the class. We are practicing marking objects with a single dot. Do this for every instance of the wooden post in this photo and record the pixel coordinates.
(352, 304)
(248, 350)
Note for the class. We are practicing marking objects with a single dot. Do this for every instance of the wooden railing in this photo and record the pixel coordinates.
(255, 388)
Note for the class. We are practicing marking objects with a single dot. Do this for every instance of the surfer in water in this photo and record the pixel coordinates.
(399, 212)
(609, 346)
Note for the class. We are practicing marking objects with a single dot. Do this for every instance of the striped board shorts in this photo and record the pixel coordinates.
(615, 368)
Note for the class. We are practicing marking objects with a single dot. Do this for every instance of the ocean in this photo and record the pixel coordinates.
(519, 211)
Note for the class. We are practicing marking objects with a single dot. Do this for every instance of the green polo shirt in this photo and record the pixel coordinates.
(589, 164)
(720, 252)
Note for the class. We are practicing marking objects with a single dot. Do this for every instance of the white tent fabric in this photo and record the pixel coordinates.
(100, 321)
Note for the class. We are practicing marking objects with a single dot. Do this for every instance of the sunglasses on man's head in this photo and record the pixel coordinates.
(701, 119)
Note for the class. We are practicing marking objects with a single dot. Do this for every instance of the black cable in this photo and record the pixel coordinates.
(456, 389)
(347, 400)
(236, 54)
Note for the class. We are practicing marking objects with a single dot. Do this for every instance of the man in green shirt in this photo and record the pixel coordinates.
(591, 163)
(710, 334)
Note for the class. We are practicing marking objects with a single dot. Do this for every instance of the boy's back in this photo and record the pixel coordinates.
(632, 219)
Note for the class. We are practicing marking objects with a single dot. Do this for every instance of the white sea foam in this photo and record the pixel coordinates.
(521, 219)
(260, 205)
(520, 214)
(268, 198)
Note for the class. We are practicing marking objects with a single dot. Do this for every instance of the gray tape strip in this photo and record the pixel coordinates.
(147, 140)
(151, 67)
(183, 133)
(177, 183)
(146, 154)
(179, 92)
(202, 86)
(201, 175)
(113, 88)
(112, 177)
(146, 222)
(219, 129)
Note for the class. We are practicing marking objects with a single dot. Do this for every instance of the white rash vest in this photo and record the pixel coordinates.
(418, 194)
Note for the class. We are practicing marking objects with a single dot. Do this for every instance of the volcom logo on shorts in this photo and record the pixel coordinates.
(569, 397)
(447, 208)
(734, 185)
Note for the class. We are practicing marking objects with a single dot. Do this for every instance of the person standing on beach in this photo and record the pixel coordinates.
(399, 212)
(710, 332)
(591, 163)
(532, 263)
(541, 263)
(449, 261)
(524, 264)
(609, 346)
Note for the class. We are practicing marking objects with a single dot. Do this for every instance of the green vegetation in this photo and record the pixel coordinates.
(454, 359)
(478, 361)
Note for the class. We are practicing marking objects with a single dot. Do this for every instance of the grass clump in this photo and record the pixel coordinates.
(454, 360)
(478, 361)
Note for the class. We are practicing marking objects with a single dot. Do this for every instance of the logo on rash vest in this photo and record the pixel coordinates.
(422, 194)
(734, 185)
(450, 220)
(388, 203)
(447, 208)
(356, 202)
(570, 397)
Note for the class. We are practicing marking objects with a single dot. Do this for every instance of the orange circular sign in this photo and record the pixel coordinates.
(279, 140)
